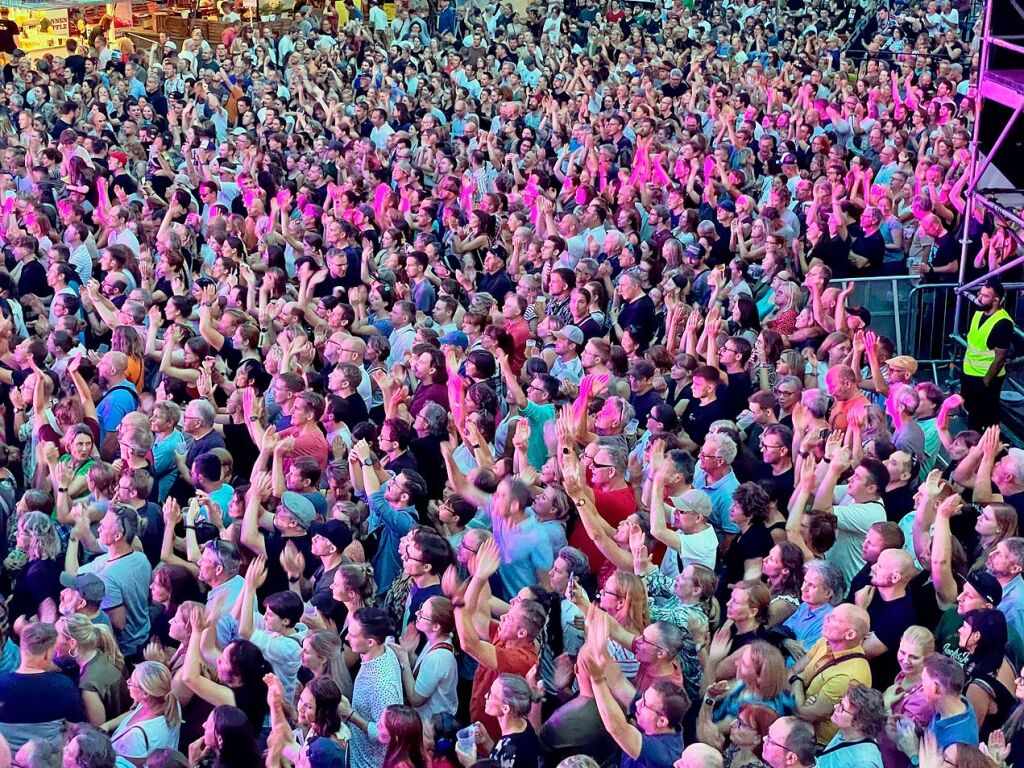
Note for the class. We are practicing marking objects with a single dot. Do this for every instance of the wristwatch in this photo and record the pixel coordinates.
(367, 462)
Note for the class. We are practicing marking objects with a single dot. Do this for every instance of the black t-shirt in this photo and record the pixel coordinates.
(277, 579)
(8, 29)
(753, 543)
(591, 329)
(889, 620)
(33, 279)
(698, 418)
(737, 394)
(643, 404)
(517, 750)
(945, 250)
(778, 487)
(898, 502)
(872, 248)
(639, 318)
(354, 410)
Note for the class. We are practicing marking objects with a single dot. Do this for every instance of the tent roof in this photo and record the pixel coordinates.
(46, 5)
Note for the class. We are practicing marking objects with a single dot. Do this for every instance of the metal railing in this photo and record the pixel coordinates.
(918, 317)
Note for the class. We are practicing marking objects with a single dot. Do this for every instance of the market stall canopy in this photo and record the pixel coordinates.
(47, 5)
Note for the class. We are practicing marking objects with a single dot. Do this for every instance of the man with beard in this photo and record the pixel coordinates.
(988, 346)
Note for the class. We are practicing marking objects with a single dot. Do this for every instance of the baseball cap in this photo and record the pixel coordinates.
(572, 333)
(458, 338)
(904, 363)
(789, 159)
(335, 531)
(300, 507)
(728, 205)
(170, 45)
(694, 251)
(88, 585)
(986, 585)
(693, 500)
(239, 131)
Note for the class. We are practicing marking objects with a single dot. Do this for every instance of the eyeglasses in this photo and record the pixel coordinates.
(468, 548)
(707, 456)
(641, 703)
(642, 640)
(772, 445)
(769, 740)
(421, 615)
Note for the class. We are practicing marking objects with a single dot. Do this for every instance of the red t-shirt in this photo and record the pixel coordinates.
(841, 409)
(516, 661)
(307, 443)
(613, 507)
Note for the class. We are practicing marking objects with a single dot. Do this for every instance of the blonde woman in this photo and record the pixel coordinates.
(100, 666)
(155, 720)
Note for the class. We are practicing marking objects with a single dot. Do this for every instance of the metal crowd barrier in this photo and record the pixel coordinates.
(917, 316)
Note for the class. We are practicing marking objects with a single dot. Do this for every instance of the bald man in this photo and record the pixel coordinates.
(342, 347)
(890, 609)
(119, 399)
(699, 756)
(820, 678)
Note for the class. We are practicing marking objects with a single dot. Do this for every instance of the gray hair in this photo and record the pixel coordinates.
(204, 411)
(516, 693)
(436, 418)
(672, 635)
(616, 452)
(723, 446)
(816, 402)
(40, 754)
(94, 747)
(831, 576)
(128, 519)
(43, 543)
(170, 410)
(579, 564)
(906, 397)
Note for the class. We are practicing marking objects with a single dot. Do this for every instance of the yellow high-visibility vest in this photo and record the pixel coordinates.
(978, 358)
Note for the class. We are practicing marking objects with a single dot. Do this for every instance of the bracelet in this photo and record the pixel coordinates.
(826, 460)
(62, 490)
(795, 678)
(458, 604)
(803, 455)
(293, 579)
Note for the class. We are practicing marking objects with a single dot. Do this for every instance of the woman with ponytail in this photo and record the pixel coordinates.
(100, 666)
(155, 720)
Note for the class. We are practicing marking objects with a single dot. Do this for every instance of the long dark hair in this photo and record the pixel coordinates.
(552, 604)
(327, 696)
(238, 739)
(247, 663)
(987, 657)
(405, 737)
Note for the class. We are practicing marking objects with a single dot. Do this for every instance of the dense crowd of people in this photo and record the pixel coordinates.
(450, 385)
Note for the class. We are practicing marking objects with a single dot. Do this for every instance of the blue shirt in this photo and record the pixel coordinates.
(393, 524)
(806, 623)
(1012, 604)
(658, 751)
(721, 499)
(525, 550)
(114, 405)
(959, 729)
(165, 465)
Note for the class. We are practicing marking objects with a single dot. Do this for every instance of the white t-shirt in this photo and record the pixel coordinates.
(698, 548)
(141, 739)
(437, 676)
(854, 521)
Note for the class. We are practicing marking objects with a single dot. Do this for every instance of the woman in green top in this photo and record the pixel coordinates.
(79, 444)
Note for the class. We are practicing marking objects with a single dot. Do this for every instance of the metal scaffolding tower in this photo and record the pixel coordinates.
(1000, 82)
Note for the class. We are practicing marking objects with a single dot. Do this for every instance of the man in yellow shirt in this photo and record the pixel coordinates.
(820, 678)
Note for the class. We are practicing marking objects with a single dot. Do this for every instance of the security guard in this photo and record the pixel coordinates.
(988, 345)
